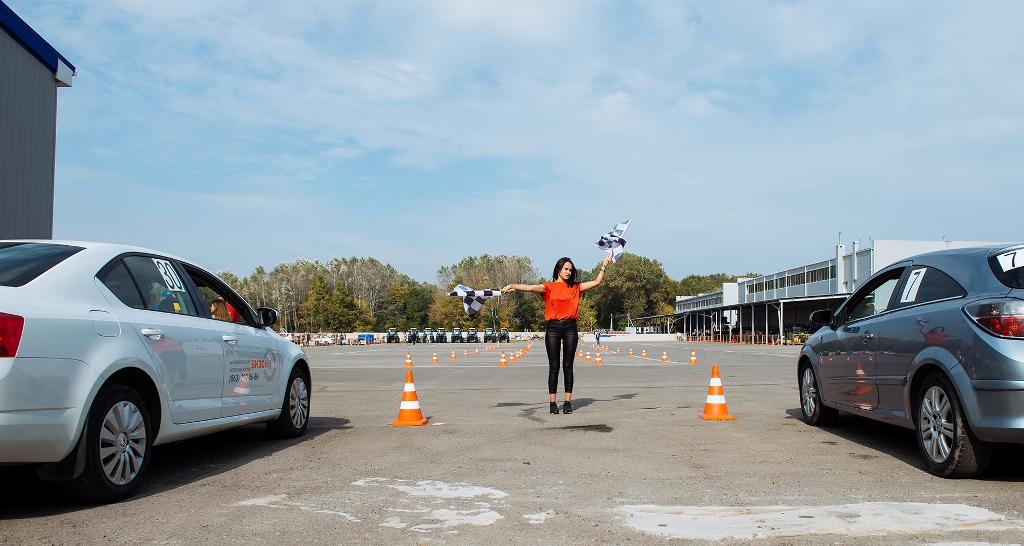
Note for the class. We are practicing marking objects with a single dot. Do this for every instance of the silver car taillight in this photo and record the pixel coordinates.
(1001, 317)
(10, 334)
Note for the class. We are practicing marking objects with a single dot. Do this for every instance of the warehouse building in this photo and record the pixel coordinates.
(767, 308)
(31, 70)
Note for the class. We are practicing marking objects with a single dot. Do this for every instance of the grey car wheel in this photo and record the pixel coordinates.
(946, 443)
(117, 446)
(294, 417)
(813, 411)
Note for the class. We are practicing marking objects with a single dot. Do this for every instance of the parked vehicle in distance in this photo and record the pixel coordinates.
(322, 339)
(412, 336)
(503, 335)
(472, 337)
(457, 335)
(110, 350)
(489, 336)
(428, 335)
(392, 336)
(934, 343)
(440, 336)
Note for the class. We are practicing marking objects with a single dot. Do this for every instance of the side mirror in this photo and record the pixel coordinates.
(268, 316)
(822, 317)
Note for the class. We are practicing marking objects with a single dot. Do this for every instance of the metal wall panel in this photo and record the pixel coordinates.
(28, 124)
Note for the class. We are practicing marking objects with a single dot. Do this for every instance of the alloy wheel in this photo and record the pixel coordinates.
(936, 424)
(808, 392)
(298, 402)
(122, 443)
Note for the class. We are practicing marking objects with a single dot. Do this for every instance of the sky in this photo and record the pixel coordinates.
(737, 136)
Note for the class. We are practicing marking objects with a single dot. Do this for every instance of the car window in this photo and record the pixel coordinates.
(876, 300)
(223, 304)
(21, 263)
(1008, 267)
(925, 284)
(160, 284)
(117, 279)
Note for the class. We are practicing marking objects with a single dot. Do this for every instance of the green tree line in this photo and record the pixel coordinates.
(363, 294)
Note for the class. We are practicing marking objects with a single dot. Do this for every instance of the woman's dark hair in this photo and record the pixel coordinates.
(558, 267)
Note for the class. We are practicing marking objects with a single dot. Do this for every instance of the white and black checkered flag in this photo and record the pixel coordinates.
(613, 241)
(473, 299)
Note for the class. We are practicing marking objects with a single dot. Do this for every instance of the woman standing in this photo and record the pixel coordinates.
(561, 309)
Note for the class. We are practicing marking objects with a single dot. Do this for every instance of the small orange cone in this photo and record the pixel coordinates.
(714, 406)
(643, 353)
(476, 351)
(597, 361)
(408, 359)
(630, 352)
(693, 356)
(503, 361)
(861, 376)
(617, 350)
(465, 353)
(588, 355)
(409, 414)
(242, 387)
(434, 360)
(453, 355)
(664, 355)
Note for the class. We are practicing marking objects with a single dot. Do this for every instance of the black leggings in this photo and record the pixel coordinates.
(560, 333)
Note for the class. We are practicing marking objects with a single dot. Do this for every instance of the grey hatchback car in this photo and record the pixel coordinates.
(934, 343)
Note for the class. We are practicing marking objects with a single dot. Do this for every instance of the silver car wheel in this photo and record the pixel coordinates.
(122, 443)
(298, 402)
(936, 424)
(809, 394)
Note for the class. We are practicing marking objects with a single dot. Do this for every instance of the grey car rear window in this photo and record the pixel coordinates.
(1008, 266)
(21, 263)
(118, 281)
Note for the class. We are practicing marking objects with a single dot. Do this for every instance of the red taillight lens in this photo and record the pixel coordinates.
(10, 334)
(1004, 317)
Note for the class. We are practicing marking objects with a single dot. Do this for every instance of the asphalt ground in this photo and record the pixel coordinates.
(632, 465)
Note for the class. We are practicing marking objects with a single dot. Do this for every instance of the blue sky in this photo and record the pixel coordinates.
(737, 136)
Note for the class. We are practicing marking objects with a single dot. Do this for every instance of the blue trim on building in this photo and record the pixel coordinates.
(18, 29)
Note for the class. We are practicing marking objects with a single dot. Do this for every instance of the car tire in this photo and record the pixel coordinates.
(813, 411)
(118, 447)
(294, 416)
(945, 440)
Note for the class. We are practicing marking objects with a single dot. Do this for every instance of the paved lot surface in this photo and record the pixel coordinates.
(632, 465)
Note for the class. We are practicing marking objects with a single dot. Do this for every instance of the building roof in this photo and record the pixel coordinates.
(18, 29)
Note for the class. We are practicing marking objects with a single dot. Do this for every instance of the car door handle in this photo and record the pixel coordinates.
(151, 333)
(230, 339)
(867, 335)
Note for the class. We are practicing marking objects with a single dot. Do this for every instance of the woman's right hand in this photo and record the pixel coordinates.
(508, 288)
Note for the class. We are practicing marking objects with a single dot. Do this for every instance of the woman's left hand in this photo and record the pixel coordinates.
(607, 260)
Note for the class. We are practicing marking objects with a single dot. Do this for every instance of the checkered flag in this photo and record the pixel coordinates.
(613, 241)
(473, 299)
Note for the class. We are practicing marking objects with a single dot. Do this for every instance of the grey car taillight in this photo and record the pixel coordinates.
(1002, 317)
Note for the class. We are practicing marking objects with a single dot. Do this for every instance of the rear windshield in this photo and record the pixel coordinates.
(1008, 266)
(20, 263)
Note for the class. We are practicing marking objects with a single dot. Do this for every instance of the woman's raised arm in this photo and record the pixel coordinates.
(538, 288)
(600, 276)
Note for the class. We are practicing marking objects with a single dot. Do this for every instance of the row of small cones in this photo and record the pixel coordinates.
(715, 409)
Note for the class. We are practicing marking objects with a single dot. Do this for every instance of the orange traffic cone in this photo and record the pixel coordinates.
(693, 356)
(503, 362)
(434, 360)
(588, 355)
(861, 376)
(617, 350)
(476, 351)
(714, 406)
(597, 361)
(664, 355)
(630, 352)
(643, 353)
(453, 355)
(242, 387)
(408, 359)
(409, 414)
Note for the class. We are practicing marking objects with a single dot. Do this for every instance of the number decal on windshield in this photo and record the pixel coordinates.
(170, 275)
(913, 284)
(1010, 260)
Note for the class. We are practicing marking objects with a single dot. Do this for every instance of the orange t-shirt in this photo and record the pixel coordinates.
(561, 301)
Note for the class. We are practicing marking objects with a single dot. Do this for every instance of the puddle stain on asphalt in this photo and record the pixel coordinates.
(587, 428)
(861, 519)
